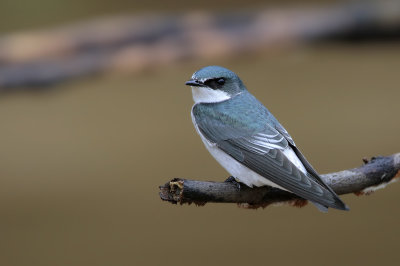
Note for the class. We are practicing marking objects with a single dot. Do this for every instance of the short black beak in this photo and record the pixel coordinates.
(193, 82)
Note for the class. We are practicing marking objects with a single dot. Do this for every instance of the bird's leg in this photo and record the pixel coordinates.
(232, 180)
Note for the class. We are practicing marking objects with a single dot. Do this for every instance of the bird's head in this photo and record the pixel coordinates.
(214, 84)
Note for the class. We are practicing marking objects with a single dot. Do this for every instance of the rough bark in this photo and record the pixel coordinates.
(374, 174)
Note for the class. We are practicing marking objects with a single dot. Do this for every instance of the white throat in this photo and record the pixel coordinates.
(207, 95)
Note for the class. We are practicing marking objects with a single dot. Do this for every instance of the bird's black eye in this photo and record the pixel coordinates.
(215, 83)
(221, 81)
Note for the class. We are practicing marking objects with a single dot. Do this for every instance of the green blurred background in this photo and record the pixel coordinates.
(81, 164)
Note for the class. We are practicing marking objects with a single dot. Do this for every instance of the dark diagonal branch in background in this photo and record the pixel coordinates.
(363, 180)
(135, 43)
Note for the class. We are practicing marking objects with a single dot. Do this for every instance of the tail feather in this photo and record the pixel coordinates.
(337, 202)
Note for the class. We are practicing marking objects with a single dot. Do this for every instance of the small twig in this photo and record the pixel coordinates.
(373, 175)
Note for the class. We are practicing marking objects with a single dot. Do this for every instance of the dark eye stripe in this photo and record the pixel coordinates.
(215, 83)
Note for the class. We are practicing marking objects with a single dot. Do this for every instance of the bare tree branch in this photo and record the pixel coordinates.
(374, 174)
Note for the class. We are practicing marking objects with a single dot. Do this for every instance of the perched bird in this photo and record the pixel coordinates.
(249, 142)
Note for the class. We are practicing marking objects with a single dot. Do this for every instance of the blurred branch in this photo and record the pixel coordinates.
(372, 175)
(132, 44)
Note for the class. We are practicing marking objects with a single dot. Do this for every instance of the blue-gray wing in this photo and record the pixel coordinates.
(261, 150)
(310, 169)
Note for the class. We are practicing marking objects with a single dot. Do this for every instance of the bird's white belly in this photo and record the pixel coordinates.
(240, 172)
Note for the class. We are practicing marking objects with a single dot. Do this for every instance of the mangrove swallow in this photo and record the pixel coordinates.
(249, 142)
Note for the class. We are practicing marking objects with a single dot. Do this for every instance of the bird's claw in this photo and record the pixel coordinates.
(232, 180)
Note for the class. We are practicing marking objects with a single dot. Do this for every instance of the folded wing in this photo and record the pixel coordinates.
(262, 151)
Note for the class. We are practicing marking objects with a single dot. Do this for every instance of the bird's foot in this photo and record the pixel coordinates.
(232, 180)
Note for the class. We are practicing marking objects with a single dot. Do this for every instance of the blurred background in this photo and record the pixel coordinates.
(95, 116)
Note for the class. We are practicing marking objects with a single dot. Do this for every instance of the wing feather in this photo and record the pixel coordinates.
(261, 150)
(310, 169)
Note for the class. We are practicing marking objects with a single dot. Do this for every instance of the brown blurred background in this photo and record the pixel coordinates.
(81, 161)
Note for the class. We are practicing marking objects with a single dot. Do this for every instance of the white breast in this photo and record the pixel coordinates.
(207, 95)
